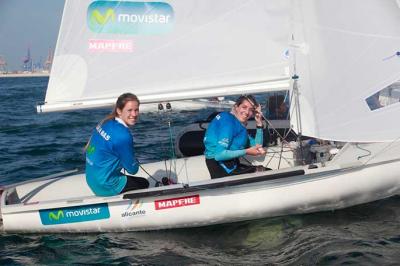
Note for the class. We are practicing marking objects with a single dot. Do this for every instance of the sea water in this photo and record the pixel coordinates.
(33, 145)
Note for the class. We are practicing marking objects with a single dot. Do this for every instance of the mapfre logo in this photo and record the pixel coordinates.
(177, 202)
(110, 46)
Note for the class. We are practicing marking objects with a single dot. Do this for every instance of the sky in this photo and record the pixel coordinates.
(28, 23)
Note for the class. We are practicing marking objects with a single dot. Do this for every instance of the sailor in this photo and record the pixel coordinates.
(226, 139)
(110, 149)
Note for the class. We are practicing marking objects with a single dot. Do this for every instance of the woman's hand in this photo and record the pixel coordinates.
(257, 150)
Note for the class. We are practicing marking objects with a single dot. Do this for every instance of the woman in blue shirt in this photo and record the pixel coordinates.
(110, 149)
(226, 139)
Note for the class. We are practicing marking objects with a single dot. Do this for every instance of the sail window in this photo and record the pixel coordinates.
(278, 105)
(385, 97)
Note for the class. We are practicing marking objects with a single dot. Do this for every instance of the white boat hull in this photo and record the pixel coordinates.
(204, 202)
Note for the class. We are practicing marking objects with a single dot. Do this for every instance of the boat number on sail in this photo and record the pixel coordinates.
(139, 18)
(74, 214)
(177, 202)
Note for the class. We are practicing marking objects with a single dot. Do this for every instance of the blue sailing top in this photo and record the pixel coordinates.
(110, 149)
(226, 138)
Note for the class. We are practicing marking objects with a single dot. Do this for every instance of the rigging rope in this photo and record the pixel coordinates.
(166, 113)
(389, 144)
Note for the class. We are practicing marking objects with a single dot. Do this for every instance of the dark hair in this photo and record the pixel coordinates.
(246, 97)
(120, 104)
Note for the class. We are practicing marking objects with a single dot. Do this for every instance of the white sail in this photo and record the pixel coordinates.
(346, 51)
(165, 51)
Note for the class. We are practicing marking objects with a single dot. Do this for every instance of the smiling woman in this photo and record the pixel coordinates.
(226, 139)
(110, 149)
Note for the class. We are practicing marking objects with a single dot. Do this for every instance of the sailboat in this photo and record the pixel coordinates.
(340, 65)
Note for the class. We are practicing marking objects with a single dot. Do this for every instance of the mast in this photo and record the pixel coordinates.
(295, 98)
(295, 87)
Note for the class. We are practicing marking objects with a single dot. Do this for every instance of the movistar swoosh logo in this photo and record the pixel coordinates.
(75, 214)
(101, 19)
(56, 216)
(90, 149)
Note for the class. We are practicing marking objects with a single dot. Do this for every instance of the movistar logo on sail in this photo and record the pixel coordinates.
(74, 214)
(145, 18)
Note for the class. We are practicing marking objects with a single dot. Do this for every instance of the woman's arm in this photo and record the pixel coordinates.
(258, 139)
(224, 155)
(126, 152)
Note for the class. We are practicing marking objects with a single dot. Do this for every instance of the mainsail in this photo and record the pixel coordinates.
(164, 51)
(345, 52)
